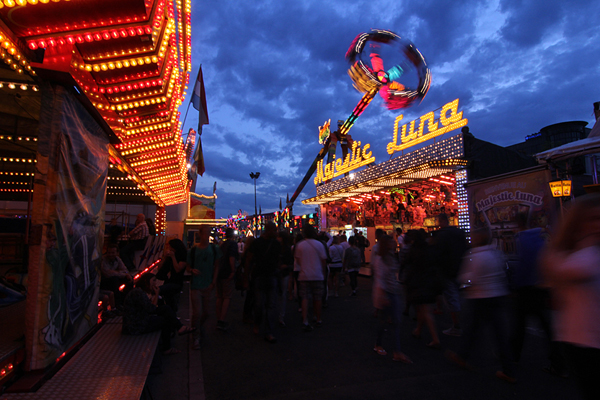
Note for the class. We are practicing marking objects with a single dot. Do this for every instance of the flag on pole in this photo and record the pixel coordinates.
(199, 99)
(199, 158)
(199, 102)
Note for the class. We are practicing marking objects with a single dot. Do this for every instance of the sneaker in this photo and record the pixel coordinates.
(453, 332)
(353, 293)
(307, 328)
(505, 378)
(319, 324)
(196, 345)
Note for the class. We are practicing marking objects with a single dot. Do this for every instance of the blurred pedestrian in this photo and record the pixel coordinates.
(424, 283)
(531, 299)
(571, 267)
(352, 264)
(378, 294)
(484, 270)
(336, 253)
(285, 272)
(247, 284)
(225, 284)
(387, 263)
(202, 263)
(265, 253)
(449, 246)
(311, 256)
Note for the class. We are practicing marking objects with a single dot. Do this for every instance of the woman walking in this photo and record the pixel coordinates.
(571, 267)
(388, 266)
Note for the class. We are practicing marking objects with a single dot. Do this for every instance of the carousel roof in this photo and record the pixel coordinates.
(131, 59)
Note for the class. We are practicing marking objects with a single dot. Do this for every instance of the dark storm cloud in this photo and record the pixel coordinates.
(274, 71)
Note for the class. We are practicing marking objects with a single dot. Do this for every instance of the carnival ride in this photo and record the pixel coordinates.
(367, 71)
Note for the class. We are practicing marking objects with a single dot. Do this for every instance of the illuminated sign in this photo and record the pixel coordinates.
(560, 188)
(409, 137)
(356, 158)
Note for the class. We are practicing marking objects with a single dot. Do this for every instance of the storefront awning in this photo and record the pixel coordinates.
(581, 147)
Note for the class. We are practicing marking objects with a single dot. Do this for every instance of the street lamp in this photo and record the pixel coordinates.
(254, 175)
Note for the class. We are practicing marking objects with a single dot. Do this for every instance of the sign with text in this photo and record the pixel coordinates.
(356, 158)
(449, 118)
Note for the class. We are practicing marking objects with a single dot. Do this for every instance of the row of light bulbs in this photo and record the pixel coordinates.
(13, 3)
(22, 86)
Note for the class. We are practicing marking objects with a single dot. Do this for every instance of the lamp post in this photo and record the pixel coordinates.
(254, 175)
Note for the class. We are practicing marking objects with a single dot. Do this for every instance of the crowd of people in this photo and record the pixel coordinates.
(415, 272)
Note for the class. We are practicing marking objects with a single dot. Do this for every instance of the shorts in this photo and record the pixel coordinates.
(316, 288)
(225, 288)
(451, 295)
(335, 270)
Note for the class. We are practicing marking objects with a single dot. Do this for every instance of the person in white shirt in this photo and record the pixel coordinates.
(311, 257)
(484, 271)
(336, 253)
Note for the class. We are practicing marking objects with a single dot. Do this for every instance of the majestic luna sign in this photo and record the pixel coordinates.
(449, 118)
(356, 158)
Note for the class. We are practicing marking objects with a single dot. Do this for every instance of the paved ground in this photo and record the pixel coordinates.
(337, 361)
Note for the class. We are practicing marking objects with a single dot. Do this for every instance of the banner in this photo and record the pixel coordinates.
(497, 203)
(69, 200)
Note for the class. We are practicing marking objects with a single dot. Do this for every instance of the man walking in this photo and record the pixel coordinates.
(450, 244)
(311, 257)
(265, 253)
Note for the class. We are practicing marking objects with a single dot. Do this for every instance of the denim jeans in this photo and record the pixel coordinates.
(265, 297)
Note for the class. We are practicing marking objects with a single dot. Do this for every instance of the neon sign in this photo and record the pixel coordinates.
(356, 158)
(409, 137)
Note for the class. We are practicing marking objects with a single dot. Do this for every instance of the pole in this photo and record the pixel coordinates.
(255, 175)
(255, 213)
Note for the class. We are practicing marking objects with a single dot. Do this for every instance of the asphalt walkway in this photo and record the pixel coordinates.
(337, 361)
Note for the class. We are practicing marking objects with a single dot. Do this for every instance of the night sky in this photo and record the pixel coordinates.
(274, 71)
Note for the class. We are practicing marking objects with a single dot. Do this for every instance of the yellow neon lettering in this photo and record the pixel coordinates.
(454, 114)
(366, 155)
(411, 135)
(357, 158)
(449, 123)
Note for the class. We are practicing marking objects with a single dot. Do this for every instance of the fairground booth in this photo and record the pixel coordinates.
(431, 159)
(90, 134)
(253, 225)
